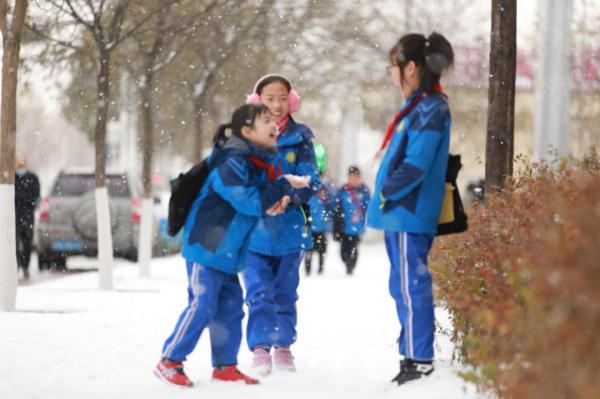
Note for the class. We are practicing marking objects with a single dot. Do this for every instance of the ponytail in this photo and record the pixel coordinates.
(433, 54)
(438, 54)
(221, 135)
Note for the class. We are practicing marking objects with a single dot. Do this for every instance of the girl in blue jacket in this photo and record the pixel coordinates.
(236, 193)
(279, 241)
(409, 190)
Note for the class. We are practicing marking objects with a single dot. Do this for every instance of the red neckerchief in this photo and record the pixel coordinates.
(272, 172)
(283, 123)
(389, 131)
(352, 191)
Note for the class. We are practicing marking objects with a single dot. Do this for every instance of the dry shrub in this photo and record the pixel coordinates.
(523, 284)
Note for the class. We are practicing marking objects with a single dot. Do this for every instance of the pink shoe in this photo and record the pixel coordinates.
(284, 360)
(262, 362)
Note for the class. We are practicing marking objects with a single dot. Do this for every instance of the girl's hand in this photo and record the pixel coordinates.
(279, 207)
(298, 181)
(272, 211)
(285, 201)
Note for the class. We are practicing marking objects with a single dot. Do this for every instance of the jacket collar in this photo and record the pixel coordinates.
(294, 133)
(239, 146)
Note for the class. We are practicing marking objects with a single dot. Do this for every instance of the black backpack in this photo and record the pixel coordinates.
(184, 190)
(458, 220)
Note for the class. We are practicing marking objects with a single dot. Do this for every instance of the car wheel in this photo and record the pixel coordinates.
(52, 261)
(131, 255)
(44, 262)
(60, 263)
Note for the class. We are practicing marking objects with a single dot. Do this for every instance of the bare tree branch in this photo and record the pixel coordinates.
(116, 24)
(76, 16)
(139, 24)
(41, 34)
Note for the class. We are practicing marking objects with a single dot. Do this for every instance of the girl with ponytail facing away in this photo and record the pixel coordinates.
(409, 190)
(237, 192)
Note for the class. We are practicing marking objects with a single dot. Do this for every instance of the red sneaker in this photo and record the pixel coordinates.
(172, 372)
(231, 373)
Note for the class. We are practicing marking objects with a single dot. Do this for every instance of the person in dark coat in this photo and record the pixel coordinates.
(27, 196)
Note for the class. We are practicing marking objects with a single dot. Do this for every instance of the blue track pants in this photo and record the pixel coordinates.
(410, 286)
(271, 293)
(215, 300)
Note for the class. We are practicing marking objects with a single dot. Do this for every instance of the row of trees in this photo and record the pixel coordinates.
(191, 61)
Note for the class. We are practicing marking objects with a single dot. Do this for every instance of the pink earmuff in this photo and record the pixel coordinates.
(294, 99)
(253, 98)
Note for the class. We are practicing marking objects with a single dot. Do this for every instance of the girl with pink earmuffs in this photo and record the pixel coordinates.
(278, 241)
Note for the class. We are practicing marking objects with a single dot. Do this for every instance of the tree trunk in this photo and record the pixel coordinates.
(8, 123)
(147, 131)
(198, 137)
(199, 109)
(102, 107)
(146, 225)
(105, 244)
(11, 41)
(501, 98)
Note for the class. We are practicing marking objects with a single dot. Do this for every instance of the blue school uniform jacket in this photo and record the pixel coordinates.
(410, 183)
(288, 232)
(352, 204)
(321, 209)
(234, 196)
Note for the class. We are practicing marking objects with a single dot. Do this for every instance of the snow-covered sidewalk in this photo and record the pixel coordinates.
(70, 340)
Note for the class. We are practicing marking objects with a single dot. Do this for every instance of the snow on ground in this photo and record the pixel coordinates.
(69, 340)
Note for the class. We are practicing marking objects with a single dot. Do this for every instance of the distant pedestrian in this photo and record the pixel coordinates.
(321, 214)
(27, 196)
(350, 208)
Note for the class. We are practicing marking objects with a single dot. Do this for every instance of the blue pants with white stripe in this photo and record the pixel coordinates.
(410, 286)
(215, 300)
(271, 293)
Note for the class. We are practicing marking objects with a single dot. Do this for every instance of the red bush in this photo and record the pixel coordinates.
(523, 285)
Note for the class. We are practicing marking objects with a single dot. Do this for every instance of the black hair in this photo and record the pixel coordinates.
(433, 54)
(243, 116)
(353, 169)
(272, 79)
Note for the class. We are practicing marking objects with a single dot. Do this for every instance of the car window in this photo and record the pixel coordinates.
(73, 185)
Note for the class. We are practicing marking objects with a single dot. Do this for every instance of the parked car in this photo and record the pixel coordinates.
(67, 219)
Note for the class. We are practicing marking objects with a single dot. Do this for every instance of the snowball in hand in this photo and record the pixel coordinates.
(298, 181)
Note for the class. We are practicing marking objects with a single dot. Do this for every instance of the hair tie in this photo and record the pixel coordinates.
(228, 126)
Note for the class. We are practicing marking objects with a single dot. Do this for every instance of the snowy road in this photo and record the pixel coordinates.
(68, 340)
